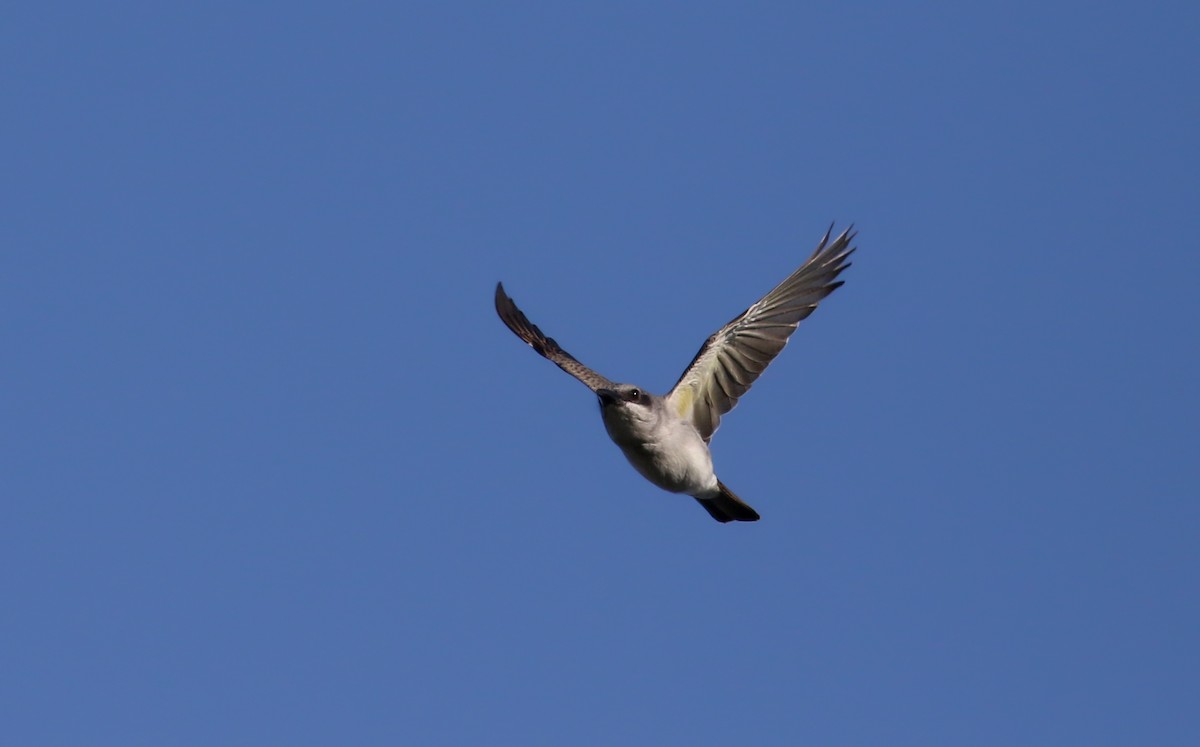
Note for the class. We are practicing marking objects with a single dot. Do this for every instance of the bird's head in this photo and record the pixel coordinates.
(626, 402)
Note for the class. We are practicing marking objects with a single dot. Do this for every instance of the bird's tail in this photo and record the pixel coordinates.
(725, 506)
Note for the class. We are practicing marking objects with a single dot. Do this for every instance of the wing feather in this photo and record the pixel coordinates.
(737, 354)
(545, 346)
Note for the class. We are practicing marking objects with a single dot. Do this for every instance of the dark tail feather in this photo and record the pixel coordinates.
(725, 506)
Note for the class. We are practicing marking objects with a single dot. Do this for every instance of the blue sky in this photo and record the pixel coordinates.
(274, 472)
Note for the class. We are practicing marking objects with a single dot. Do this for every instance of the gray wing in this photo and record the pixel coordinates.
(730, 361)
(545, 346)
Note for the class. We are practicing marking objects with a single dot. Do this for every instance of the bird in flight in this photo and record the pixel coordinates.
(666, 438)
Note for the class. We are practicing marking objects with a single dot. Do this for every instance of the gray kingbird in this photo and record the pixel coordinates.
(666, 438)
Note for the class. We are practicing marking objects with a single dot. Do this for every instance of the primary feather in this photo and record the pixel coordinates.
(545, 346)
(735, 355)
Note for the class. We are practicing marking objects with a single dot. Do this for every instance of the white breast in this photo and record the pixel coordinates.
(668, 452)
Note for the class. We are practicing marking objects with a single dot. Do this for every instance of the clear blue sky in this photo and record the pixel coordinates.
(273, 472)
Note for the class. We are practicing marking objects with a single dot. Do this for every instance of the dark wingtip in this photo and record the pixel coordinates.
(843, 239)
(505, 306)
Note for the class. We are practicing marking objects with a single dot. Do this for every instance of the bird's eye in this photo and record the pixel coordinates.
(635, 394)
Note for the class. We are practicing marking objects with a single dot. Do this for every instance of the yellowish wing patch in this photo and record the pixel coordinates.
(683, 402)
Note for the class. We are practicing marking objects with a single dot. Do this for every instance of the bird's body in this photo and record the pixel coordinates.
(663, 447)
(666, 438)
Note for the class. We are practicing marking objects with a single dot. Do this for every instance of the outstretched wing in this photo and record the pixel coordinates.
(545, 346)
(730, 360)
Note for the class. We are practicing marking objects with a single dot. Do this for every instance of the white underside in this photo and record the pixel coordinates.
(668, 453)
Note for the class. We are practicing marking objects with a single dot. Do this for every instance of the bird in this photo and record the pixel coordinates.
(666, 438)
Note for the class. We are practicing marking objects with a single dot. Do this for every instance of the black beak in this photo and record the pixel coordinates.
(607, 396)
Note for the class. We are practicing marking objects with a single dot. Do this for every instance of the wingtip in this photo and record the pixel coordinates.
(503, 302)
(840, 248)
(843, 239)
